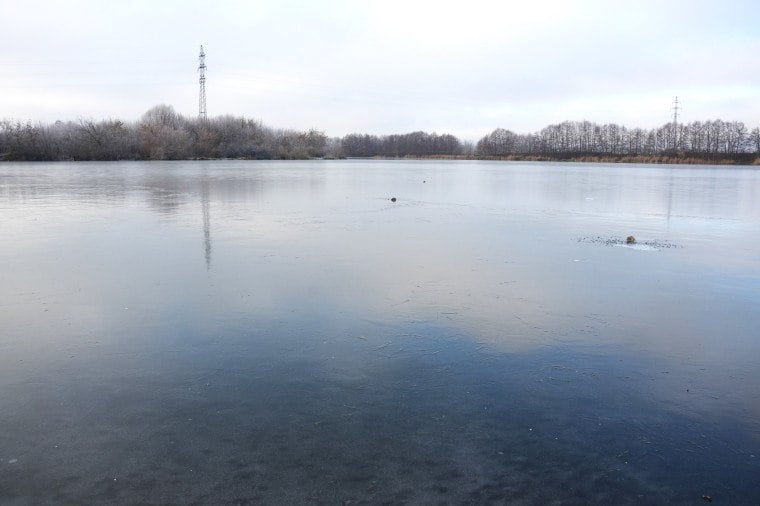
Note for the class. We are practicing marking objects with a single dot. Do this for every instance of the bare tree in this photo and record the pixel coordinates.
(755, 140)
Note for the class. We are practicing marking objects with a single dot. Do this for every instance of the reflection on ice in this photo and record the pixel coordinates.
(206, 210)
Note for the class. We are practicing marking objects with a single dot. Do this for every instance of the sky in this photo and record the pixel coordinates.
(389, 66)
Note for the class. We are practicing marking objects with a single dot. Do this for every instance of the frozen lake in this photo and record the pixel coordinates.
(233, 332)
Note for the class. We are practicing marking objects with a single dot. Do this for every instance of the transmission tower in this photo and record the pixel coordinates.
(676, 108)
(202, 81)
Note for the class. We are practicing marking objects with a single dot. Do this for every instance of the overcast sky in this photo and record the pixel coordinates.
(387, 66)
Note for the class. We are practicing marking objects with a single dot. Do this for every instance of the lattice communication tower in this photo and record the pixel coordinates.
(676, 108)
(202, 81)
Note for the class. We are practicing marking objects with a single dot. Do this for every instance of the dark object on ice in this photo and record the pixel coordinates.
(707, 498)
(630, 240)
(393, 199)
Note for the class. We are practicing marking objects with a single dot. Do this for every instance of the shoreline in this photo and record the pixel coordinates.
(749, 161)
(638, 159)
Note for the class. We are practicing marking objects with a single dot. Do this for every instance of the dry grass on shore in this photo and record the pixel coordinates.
(647, 159)
(644, 159)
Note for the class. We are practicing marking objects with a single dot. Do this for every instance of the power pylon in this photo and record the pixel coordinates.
(676, 108)
(202, 81)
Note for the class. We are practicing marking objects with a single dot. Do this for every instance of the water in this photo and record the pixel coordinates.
(281, 332)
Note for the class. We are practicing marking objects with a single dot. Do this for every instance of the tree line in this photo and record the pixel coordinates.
(398, 146)
(160, 134)
(163, 134)
(708, 140)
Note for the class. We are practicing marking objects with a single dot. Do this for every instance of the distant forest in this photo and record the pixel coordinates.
(163, 134)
